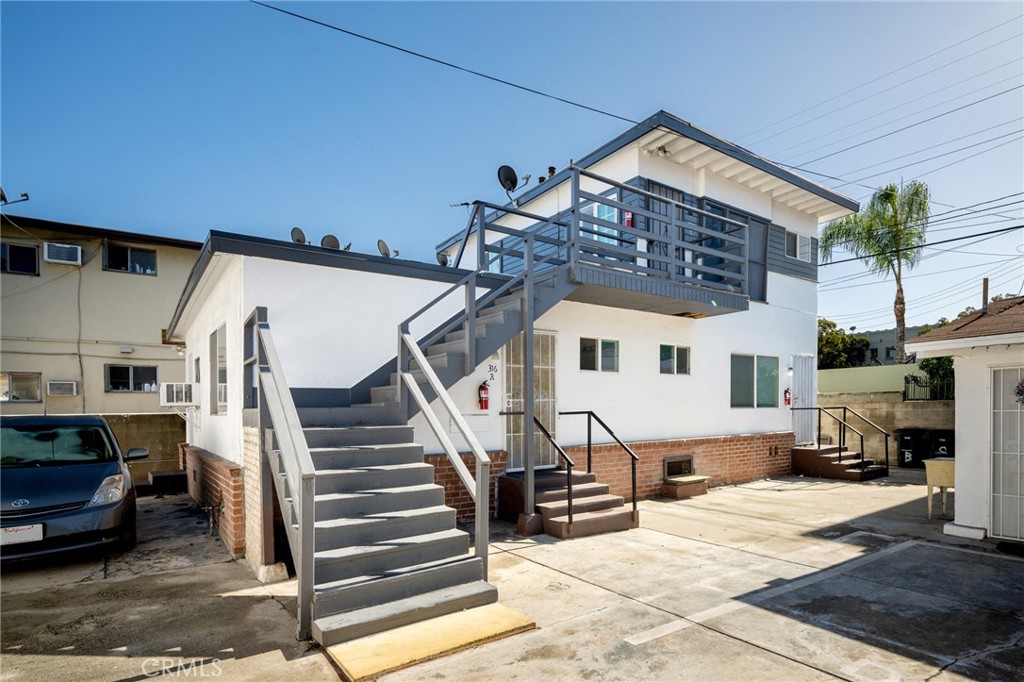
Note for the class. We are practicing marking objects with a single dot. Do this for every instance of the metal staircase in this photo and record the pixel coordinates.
(373, 544)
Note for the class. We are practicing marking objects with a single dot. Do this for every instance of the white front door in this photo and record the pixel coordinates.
(1007, 455)
(804, 370)
(544, 406)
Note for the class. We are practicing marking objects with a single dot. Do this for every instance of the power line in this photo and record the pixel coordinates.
(827, 289)
(441, 62)
(912, 125)
(884, 90)
(878, 78)
(833, 141)
(913, 248)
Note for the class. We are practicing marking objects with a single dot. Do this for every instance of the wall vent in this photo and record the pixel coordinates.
(176, 394)
(61, 388)
(64, 254)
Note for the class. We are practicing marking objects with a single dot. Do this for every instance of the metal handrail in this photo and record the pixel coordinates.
(634, 458)
(870, 423)
(843, 425)
(299, 472)
(569, 463)
(479, 489)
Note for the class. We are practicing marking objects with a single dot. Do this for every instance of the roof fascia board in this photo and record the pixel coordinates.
(97, 232)
(942, 347)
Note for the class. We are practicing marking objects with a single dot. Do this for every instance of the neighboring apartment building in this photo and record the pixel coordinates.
(81, 328)
(882, 345)
(668, 283)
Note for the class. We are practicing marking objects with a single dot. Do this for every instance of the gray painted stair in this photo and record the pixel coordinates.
(387, 551)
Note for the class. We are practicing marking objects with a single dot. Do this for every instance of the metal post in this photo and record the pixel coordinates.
(306, 550)
(481, 239)
(633, 462)
(529, 505)
(573, 232)
(402, 363)
(483, 511)
(470, 340)
(819, 428)
(590, 443)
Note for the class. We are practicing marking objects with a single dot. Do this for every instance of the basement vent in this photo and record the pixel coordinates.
(176, 395)
(64, 254)
(61, 388)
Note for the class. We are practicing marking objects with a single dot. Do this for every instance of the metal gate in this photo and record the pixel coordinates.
(804, 395)
(1007, 458)
(543, 399)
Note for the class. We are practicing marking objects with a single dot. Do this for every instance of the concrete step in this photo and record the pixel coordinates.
(356, 504)
(352, 560)
(324, 437)
(361, 530)
(392, 585)
(824, 449)
(373, 477)
(549, 479)
(580, 505)
(367, 414)
(579, 491)
(590, 523)
(343, 627)
(451, 357)
(353, 456)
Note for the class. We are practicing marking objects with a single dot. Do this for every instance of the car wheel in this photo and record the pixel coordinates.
(129, 535)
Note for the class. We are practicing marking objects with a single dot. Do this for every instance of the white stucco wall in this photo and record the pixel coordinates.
(216, 301)
(973, 368)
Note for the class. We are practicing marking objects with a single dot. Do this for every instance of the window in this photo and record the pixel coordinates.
(131, 379)
(754, 381)
(18, 259)
(121, 258)
(24, 387)
(674, 359)
(605, 360)
(219, 371)
(608, 235)
(798, 246)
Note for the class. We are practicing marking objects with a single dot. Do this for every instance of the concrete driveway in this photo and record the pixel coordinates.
(787, 579)
(176, 606)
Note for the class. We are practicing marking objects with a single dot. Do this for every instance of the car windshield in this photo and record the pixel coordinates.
(53, 445)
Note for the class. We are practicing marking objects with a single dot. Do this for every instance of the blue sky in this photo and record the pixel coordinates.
(178, 118)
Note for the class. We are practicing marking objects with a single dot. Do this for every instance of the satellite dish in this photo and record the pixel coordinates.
(3, 196)
(298, 236)
(508, 178)
(382, 246)
(442, 260)
(330, 242)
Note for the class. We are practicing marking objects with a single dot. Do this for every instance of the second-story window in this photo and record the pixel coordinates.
(120, 258)
(798, 246)
(605, 233)
(19, 259)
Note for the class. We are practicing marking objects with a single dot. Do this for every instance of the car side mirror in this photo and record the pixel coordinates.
(136, 453)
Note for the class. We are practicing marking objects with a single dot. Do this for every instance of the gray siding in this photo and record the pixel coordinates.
(782, 264)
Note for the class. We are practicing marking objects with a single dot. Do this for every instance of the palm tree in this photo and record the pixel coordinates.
(886, 235)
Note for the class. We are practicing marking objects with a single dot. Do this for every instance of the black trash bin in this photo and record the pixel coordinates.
(913, 446)
(943, 443)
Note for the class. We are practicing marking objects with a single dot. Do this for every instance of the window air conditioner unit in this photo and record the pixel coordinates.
(61, 388)
(64, 254)
(176, 394)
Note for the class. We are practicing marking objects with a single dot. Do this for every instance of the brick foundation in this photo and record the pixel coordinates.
(215, 482)
(455, 493)
(726, 459)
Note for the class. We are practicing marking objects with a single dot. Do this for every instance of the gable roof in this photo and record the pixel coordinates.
(1004, 317)
(662, 126)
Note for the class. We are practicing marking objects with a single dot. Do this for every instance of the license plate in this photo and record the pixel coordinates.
(16, 534)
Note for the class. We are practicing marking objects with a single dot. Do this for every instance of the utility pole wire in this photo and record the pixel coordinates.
(913, 248)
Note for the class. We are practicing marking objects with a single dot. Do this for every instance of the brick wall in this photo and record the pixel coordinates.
(726, 459)
(161, 433)
(253, 506)
(215, 482)
(455, 493)
(890, 412)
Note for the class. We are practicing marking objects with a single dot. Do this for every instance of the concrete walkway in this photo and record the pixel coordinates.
(791, 579)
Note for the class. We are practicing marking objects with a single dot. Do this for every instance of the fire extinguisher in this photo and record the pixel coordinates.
(787, 395)
(483, 394)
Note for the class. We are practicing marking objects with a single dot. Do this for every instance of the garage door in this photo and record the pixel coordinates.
(1007, 457)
